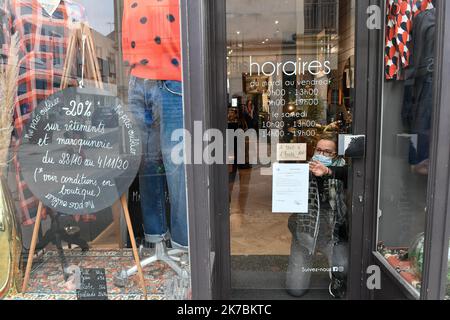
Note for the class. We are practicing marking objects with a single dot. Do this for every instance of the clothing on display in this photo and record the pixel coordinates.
(162, 102)
(151, 39)
(420, 112)
(50, 5)
(152, 48)
(70, 110)
(400, 20)
(349, 75)
(417, 109)
(422, 46)
(251, 115)
(43, 44)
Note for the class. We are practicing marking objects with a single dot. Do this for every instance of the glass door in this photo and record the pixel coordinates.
(290, 84)
(407, 128)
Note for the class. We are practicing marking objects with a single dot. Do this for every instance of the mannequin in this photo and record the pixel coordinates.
(50, 5)
(152, 48)
(42, 62)
(151, 42)
(42, 55)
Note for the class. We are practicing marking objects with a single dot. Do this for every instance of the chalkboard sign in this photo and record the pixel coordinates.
(80, 151)
(92, 285)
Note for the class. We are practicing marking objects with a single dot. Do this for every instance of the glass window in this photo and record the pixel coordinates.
(406, 137)
(290, 85)
(93, 92)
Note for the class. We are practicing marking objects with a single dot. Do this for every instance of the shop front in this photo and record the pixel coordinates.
(94, 206)
(345, 99)
(256, 149)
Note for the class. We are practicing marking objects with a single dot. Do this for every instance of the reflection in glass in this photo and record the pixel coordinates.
(125, 55)
(406, 138)
(325, 228)
(290, 80)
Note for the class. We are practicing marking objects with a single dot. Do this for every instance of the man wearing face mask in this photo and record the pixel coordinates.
(324, 227)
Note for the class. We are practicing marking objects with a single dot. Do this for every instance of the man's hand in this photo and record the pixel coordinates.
(318, 169)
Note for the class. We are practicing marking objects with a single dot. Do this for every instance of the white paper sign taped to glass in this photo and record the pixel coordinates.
(81, 150)
(291, 152)
(290, 188)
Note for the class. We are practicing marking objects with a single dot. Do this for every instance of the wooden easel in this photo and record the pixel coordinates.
(81, 33)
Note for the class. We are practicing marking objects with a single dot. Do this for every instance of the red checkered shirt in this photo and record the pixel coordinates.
(43, 45)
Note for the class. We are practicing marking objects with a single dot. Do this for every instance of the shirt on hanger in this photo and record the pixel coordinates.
(400, 18)
(151, 38)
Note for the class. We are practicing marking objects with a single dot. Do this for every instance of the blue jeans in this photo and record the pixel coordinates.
(158, 109)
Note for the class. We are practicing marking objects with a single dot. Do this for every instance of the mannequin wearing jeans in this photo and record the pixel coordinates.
(157, 107)
(151, 47)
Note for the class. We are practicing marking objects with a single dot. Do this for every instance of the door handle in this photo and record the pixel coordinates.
(352, 146)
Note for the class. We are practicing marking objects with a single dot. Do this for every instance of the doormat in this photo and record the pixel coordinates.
(270, 263)
(269, 273)
(47, 280)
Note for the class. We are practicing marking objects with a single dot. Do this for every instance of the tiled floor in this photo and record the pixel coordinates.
(255, 230)
(260, 243)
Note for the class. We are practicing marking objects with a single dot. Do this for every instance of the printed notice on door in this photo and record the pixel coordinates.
(290, 188)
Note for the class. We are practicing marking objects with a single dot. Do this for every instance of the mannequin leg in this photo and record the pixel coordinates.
(144, 100)
(172, 119)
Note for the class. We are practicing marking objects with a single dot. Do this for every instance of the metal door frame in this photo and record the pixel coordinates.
(438, 219)
(204, 49)
(366, 73)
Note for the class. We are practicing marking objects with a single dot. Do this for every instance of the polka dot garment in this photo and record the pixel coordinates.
(151, 38)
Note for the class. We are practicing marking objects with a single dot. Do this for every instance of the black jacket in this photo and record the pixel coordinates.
(423, 45)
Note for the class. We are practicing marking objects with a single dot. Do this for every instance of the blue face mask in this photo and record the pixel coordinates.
(326, 161)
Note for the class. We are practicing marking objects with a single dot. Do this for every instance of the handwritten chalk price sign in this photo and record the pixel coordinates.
(81, 151)
(92, 285)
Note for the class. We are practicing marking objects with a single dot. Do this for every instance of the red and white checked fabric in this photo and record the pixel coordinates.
(43, 48)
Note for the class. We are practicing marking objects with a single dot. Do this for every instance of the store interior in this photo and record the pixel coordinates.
(277, 32)
(265, 37)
